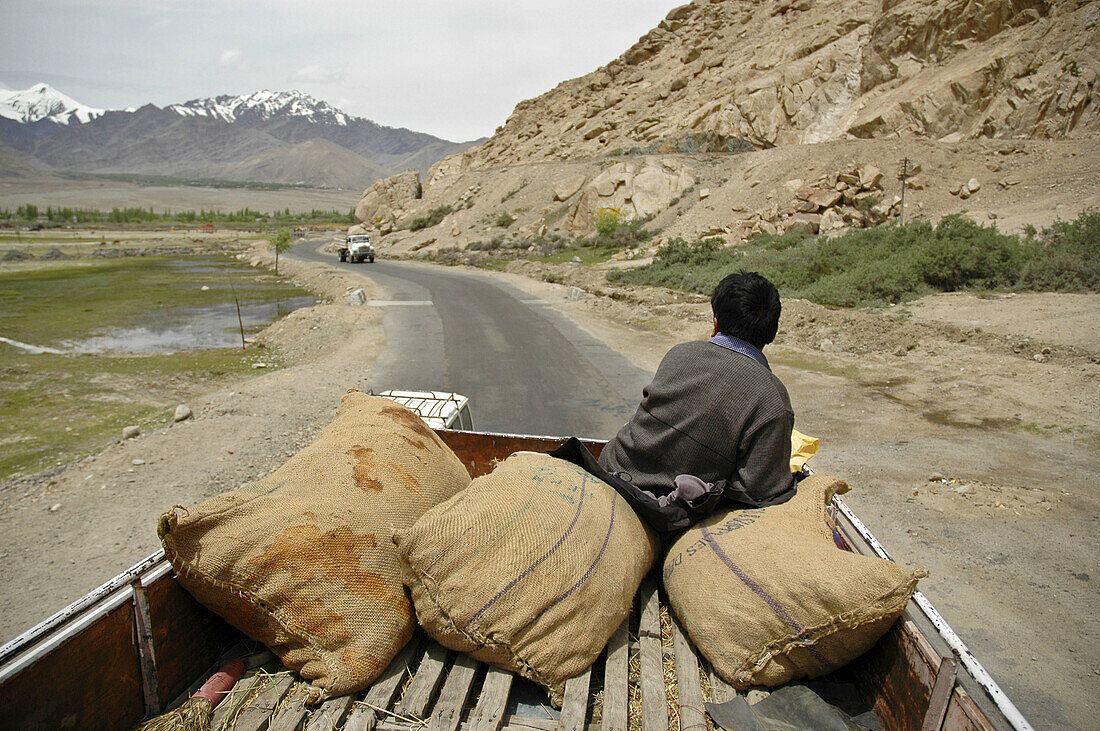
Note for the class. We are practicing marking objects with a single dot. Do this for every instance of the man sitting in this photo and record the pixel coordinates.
(715, 423)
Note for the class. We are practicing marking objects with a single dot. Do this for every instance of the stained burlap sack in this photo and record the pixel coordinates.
(768, 597)
(303, 559)
(532, 568)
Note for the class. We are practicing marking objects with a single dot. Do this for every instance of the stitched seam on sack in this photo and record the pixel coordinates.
(553, 549)
(756, 589)
(854, 619)
(310, 641)
(475, 637)
(587, 574)
(501, 531)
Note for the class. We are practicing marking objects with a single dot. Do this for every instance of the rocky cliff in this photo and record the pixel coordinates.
(741, 116)
(717, 74)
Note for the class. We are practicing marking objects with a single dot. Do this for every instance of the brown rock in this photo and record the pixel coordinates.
(384, 198)
(596, 130)
(566, 187)
(825, 198)
(831, 220)
(870, 177)
(806, 223)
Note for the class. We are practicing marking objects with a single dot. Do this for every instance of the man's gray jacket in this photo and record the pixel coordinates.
(714, 414)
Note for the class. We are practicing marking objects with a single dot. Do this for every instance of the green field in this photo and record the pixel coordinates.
(56, 407)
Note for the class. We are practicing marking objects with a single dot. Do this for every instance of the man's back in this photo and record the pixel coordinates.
(712, 413)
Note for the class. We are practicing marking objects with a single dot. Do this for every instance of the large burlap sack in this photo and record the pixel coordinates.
(532, 568)
(767, 596)
(303, 560)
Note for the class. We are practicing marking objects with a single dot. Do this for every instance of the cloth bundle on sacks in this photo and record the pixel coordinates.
(532, 568)
(767, 597)
(303, 560)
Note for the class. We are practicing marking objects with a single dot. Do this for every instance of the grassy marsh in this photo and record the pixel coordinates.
(55, 407)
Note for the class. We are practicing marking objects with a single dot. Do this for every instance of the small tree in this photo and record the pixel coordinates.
(607, 222)
(281, 242)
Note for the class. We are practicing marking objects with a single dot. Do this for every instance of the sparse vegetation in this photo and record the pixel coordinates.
(615, 233)
(51, 216)
(891, 263)
(695, 143)
(511, 193)
(504, 219)
(433, 218)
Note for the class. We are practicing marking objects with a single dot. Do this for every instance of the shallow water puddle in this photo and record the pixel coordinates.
(177, 329)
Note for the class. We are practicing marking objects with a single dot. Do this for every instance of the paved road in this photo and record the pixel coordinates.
(525, 368)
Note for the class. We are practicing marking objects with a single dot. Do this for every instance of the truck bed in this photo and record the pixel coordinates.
(140, 644)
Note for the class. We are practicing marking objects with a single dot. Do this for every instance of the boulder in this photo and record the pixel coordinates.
(130, 432)
(973, 185)
(806, 223)
(596, 130)
(183, 412)
(381, 201)
(567, 187)
(870, 177)
(831, 220)
(825, 198)
(633, 191)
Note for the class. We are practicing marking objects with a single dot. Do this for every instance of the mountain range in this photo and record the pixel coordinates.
(267, 136)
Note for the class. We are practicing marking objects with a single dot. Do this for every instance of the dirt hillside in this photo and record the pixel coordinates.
(735, 117)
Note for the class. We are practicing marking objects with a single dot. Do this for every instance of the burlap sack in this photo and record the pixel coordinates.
(532, 568)
(768, 597)
(303, 559)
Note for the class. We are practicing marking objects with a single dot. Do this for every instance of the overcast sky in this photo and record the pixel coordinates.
(452, 68)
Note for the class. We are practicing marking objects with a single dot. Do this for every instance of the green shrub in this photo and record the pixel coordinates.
(504, 220)
(614, 233)
(1064, 257)
(890, 263)
(434, 217)
(607, 221)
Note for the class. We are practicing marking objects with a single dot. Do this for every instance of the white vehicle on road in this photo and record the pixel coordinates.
(438, 409)
(357, 248)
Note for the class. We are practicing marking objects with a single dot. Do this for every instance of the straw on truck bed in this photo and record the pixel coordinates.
(140, 644)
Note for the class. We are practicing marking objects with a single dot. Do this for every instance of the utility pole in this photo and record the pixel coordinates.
(905, 171)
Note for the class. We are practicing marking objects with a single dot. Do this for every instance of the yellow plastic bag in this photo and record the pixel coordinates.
(802, 448)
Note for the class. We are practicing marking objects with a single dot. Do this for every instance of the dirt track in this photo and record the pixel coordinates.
(966, 454)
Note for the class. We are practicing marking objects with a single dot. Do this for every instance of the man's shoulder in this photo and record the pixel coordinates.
(749, 376)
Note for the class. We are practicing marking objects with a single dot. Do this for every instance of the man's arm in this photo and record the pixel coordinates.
(763, 475)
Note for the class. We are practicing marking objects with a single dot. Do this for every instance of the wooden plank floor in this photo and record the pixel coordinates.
(430, 687)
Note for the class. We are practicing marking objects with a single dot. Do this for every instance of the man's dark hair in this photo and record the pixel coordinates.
(747, 306)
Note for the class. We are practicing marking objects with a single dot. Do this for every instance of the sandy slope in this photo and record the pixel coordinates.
(966, 454)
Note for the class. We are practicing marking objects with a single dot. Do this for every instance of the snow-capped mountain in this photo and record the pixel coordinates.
(268, 136)
(42, 101)
(263, 105)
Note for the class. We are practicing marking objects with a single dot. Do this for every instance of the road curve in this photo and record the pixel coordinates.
(525, 368)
